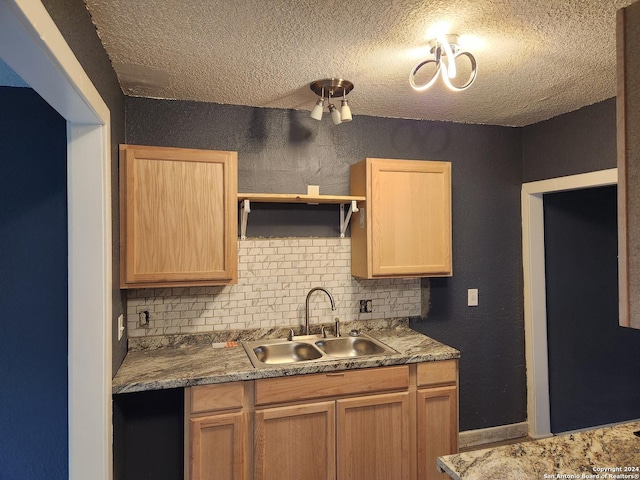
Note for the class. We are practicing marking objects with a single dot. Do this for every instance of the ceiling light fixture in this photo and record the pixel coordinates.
(332, 87)
(445, 46)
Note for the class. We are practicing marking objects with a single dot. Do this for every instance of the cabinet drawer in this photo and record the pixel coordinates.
(437, 373)
(323, 385)
(221, 396)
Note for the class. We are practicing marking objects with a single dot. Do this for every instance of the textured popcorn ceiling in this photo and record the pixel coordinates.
(540, 58)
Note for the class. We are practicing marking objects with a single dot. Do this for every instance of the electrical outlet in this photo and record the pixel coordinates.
(144, 318)
(366, 306)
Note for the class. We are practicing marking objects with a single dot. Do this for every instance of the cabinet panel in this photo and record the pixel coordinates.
(437, 426)
(373, 437)
(437, 373)
(217, 447)
(404, 228)
(296, 442)
(206, 398)
(323, 385)
(178, 216)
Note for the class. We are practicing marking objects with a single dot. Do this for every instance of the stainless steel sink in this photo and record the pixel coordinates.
(351, 346)
(286, 352)
(312, 348)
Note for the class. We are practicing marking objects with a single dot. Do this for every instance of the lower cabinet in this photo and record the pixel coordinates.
(217, 431)
(217, 446)
(436, 415)
(380, 423)
(294, 442)
(373, 437)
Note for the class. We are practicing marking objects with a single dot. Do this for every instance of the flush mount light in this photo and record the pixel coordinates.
(444, 46)
(332, 88)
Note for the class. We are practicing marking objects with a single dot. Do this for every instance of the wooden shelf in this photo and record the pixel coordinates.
(245, 200)
(298, 198)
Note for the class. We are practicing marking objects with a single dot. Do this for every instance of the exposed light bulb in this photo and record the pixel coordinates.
(335, 114)
(316, 113)
(345, 111)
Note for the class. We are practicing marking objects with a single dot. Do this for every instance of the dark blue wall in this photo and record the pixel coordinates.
(593, 374)
(33, 286)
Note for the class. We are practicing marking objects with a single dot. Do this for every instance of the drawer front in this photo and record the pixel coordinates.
(334, 384)
(223, 396)
(437, 373)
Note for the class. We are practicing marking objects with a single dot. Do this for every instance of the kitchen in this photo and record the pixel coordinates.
(485, 158)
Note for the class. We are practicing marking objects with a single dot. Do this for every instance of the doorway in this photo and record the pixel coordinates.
(535, 302)
(32, 46)
(585, 347)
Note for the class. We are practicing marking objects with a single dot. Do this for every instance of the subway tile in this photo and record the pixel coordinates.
(274, 278)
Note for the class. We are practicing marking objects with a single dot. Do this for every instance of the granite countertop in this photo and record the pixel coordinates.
(187, 360)
(602, 453)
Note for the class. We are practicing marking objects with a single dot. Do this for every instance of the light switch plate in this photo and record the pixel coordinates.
(120, 326)
(472, 297)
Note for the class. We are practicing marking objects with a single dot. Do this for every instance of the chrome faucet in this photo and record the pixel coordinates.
(306, 316)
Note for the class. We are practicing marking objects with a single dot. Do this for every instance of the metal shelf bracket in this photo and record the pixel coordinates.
(245, 208)
(345, 218)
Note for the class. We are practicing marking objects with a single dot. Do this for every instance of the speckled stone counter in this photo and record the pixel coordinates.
(183, 361)
(603, 453)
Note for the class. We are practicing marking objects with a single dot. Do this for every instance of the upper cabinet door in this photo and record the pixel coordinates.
(405, 230)
(628, 124)
(177, 217)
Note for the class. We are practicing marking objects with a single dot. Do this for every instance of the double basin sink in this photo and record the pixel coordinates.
(313, 348)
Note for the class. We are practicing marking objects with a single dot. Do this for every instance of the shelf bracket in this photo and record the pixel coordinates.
(345, 218)
(245, 208)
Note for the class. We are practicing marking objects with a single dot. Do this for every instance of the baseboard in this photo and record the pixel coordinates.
(501, 433)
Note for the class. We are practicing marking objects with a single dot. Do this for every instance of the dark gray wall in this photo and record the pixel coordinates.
(586, 346)
(74, 22)
(284, 150)
(576, 142)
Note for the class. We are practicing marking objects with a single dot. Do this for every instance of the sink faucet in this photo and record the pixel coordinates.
(306, 316)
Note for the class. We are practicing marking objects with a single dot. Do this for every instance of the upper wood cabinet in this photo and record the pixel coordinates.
(403, 229)
(178, 217)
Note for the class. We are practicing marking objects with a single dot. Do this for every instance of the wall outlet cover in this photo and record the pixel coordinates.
(366, 306)
(120, 326)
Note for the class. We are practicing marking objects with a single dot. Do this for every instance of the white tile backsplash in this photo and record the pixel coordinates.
(274, 277)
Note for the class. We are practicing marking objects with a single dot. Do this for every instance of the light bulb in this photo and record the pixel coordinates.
(345, 112)
(316, 113)
(335, 114)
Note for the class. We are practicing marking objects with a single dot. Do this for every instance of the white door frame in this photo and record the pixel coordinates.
(535, 302)
(32, 45)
